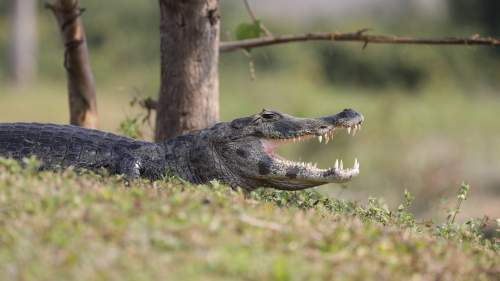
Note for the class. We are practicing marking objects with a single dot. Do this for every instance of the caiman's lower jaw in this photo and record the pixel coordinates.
(309, 172)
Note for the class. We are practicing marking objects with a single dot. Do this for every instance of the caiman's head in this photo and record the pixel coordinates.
(246, 147)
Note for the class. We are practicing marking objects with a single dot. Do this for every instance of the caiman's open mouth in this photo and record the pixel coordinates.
(305, 171)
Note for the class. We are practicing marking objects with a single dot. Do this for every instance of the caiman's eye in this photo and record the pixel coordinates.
(268, 115)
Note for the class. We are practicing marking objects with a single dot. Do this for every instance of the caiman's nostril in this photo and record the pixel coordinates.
(350, 113)
(323, 127)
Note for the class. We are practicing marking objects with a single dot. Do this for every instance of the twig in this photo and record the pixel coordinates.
(148, 104)
(251, 65)
(260, 223)
(358, 36)
(254, 19)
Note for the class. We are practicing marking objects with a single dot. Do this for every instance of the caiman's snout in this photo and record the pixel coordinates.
(347, 118)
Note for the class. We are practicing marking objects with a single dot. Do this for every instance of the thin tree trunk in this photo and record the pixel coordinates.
(23, 44)
(189, 87)
(81, 85)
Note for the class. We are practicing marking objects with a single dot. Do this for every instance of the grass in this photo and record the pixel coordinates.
(60, 226)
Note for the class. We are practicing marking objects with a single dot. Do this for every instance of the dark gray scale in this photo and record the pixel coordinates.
(64, 146)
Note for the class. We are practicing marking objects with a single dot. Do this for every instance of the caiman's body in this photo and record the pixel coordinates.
(239, 153)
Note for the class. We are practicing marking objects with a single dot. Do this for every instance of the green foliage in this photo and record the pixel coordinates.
(4, 8)
(378, 212)
(480, 14)
(247, 30)
(132, 127)
(346, 66)
(138, 125)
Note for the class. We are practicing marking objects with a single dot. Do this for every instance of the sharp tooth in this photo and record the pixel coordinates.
(356, 164)
(327, 139)
(341, 164)
(354, 130)
(336, 164)
(349, 130)
(320, 139)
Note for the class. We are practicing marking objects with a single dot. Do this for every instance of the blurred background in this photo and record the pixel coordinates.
(432, 112)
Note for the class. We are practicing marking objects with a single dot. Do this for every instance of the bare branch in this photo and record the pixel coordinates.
(358, 36)
(148, 103)
(254, 19)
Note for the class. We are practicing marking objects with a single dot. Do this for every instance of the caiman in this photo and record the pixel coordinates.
(239, 153)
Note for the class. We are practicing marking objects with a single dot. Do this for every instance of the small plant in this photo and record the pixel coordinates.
(404, 216)
(131, 127)
(471, 231)
(462, 196)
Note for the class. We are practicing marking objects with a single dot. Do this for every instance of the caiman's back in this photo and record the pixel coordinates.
(64, 145)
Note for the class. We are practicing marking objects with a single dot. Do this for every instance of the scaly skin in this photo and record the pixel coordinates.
(238, 153)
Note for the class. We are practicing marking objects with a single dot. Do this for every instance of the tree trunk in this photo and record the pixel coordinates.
(81, 86)
(189, 87)
(23, 44)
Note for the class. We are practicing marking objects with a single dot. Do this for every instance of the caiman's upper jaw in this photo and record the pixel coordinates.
(324, 128)
(309, 173)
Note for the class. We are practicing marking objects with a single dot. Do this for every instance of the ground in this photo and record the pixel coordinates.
(64, 226)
